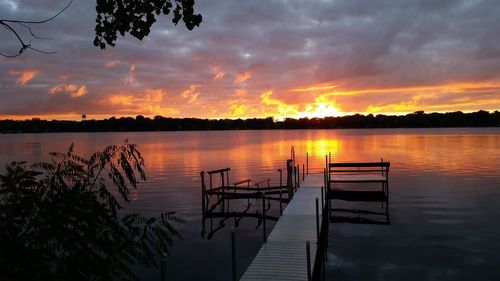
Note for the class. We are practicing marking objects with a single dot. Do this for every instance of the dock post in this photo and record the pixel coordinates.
(308, 258)
(281, 203)
(164, 266)
(233, 253)
(303, 172)
(281, 191)
(294, 176)
(322, 200)
(317, 220)
(203, 188)
(264, 217)
(289, 180)
(222, 206)
(298, 175)
(307, 163)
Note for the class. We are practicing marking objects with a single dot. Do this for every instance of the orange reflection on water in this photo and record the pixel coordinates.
(323, 147)
(258, 154)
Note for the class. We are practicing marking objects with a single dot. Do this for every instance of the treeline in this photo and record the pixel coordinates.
(417, 119)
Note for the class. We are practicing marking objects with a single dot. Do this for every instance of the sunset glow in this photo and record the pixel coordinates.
(380, 63)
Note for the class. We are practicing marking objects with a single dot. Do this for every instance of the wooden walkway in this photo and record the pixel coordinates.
(283, 256)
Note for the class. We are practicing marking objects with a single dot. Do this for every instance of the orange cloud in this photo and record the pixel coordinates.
(238, 110)
(329, 99)
(451, 87)
(242, 77)
(320, 87)
(126, 100)
(72, 89)
(464, 104)
(24, 76)
(149, 103)
(277, 108)
(219, 74)
(322, 106)
(190, 95)
(112, 63)
(131, 75)
(240, 92)
(64, 77)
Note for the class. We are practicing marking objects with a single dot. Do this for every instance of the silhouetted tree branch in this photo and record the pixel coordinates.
(137, 17)
(13, 27)
(134, 17)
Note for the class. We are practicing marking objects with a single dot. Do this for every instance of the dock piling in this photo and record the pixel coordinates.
(164, 266)
(307, 163)
(298, 175)
(264, 236)
(317, 220)
(308, 258)
(233, 253)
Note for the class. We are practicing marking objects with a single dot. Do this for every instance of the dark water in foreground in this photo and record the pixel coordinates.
(444, 205)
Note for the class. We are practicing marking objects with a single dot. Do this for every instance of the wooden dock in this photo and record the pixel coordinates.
(284, 256)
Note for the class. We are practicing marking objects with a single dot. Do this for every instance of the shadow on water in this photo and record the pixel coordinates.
(224, 204)
(222, 201)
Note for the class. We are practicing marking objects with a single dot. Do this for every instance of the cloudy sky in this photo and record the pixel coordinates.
(259, 58)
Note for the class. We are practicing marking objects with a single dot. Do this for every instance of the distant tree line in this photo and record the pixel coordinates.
(417, 119)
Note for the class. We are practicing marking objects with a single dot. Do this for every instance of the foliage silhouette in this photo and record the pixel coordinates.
(59, 220)
(136, 17)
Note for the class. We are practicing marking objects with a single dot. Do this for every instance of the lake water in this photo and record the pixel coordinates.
(444, 196)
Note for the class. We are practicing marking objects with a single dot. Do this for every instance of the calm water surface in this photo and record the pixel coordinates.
(444, 205)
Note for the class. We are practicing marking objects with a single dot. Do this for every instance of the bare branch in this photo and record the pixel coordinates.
(31, 32)
(7, 23)
(41, 21)
(43, 52)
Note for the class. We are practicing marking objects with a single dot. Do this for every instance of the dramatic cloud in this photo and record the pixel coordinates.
(71, 89)
(242, 77)
(299, 58)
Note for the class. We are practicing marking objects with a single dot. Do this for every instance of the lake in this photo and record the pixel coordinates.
(444, 196)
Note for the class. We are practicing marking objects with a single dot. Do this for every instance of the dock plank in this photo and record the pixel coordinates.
(283, 256)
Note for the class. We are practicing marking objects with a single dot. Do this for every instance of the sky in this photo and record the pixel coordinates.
(259, 58)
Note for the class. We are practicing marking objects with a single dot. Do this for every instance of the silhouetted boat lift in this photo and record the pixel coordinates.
(297, 246)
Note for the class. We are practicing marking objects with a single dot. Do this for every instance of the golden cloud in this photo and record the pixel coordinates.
(24, 76)
(190, 95)
(277, 108)
(72, 89)
(322, 106)
(149, 103)
(242, 77)
(314, 88)
(240, 92)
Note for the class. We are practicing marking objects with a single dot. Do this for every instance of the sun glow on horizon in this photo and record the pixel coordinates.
(320, 110)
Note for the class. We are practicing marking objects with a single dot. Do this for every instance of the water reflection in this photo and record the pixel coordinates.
(223, 200)
(443, 205)
(361, 182)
